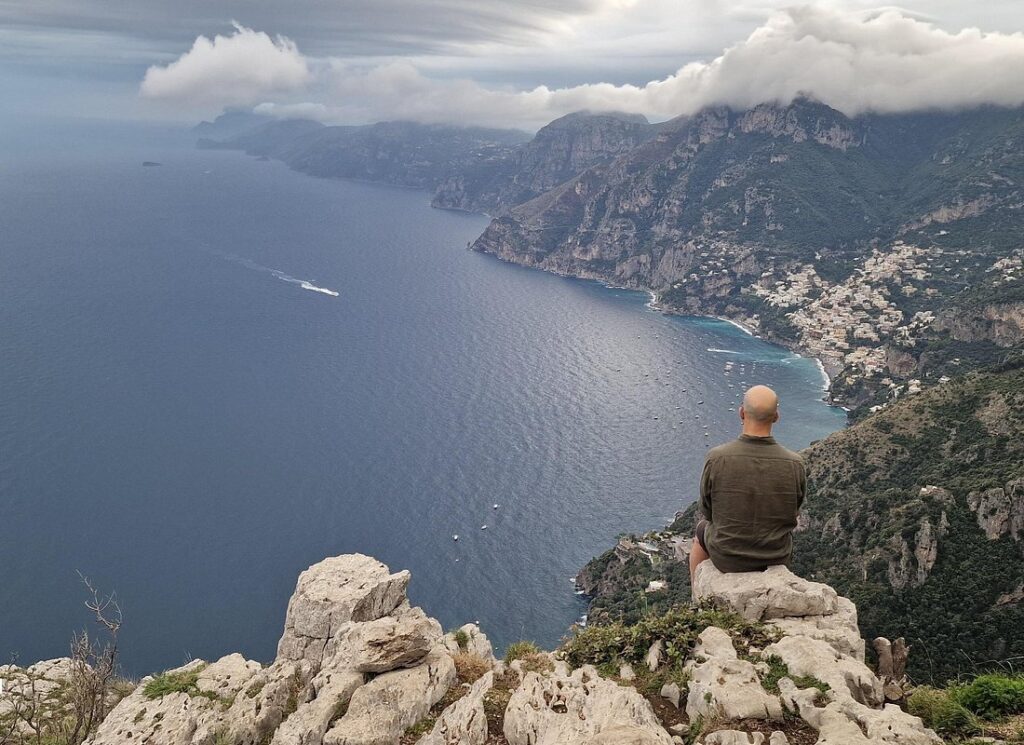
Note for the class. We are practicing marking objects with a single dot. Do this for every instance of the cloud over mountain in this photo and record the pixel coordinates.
(853, 61)
(243, 68)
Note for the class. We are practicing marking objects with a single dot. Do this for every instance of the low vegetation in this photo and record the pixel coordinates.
(988, 704)
(677, 630)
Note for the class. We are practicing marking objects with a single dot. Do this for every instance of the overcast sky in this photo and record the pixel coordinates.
(500, 62)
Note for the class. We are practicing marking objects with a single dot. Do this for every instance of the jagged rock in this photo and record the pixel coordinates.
(579, 708)
(381, 710)
(332, 691)
(465, 721)
(227, 676)
(734, 737)
(892, 667)
(791, 603)
(913, 564)
(778, 738)
(813, 657)
(724, 686)
(1000, 510)
(671, 692)
(340, 589)
(391, 642)
(844, 721)
(477, 642)
(626, 673)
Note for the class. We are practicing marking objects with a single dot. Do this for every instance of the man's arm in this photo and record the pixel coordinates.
(705, 491)
(801, 475)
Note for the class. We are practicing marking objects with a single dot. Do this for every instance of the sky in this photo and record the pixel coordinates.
(499, 62)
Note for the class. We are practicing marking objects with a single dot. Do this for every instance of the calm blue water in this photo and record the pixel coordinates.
(185, 423)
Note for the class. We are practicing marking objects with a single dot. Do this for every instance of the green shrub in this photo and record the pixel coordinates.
(940, 711)
(519, 649)
(777, 670)
(166, 683)
(992, 696)
(462, 639)
(677, 629)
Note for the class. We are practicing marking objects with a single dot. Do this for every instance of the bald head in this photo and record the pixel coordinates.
(760, 407)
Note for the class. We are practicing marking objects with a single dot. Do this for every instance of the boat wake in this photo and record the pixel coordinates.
(723, 351)
(305, 284)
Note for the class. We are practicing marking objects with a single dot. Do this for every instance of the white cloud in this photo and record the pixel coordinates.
(239, 69)
(883, 60)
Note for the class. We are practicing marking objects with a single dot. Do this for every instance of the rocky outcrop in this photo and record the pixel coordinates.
(1000, 323)
(347, 619)
(1000, 511)
(852, 712)
(357, 665)
(794, 605)
(913, 562)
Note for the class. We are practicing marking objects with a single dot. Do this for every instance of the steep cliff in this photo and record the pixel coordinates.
(561, 150)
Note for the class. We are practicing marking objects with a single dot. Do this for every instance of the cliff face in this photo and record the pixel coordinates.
(916, 512)
(561, 150)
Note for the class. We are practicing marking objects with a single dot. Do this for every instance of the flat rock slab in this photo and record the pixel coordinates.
(760, 596)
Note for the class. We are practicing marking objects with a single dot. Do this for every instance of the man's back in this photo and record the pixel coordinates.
(750, 493)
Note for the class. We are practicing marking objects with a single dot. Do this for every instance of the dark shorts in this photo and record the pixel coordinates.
(701, 527)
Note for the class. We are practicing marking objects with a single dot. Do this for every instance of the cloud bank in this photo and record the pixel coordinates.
(885, 61)
(240, 69)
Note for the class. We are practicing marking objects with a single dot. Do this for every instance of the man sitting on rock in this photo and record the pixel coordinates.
(750, 493)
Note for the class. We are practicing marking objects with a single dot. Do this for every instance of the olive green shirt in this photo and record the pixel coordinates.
(750, 493)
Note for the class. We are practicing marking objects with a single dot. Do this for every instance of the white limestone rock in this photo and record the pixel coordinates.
(760, 596)
(385, 643)
(843, 721)
(476, 642)
(724, 687)
(580, 708)
(381, 710)
(782, 599)
(465, 721)
(844, 674)
(332, 593)
(838, 629)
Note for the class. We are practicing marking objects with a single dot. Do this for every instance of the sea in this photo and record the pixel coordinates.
(215, 372)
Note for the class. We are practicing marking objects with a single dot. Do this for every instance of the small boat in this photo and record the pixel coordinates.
(483, 527)
(455, 537)
(495, 506)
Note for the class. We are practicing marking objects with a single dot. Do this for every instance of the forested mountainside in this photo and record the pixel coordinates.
(400, 153)
(916, 513)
